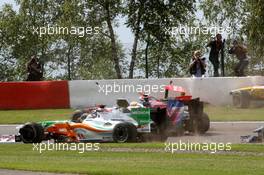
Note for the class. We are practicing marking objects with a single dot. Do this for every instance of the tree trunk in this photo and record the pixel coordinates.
(113, 43)
(69, 62)
(158, 66)
(146, 57)
(134, 50)
(42, 62)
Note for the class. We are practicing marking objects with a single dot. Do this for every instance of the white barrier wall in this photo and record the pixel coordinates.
(214, 90)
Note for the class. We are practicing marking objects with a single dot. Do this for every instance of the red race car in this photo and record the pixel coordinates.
(177, 112)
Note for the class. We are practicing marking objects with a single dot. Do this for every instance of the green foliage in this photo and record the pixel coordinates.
(246, 21)
(102, 56)
(150, 22)
(64, 56)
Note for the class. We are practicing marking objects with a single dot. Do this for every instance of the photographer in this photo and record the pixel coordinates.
(216, 47)
(240, 51)
(34, 70)
(197, 66)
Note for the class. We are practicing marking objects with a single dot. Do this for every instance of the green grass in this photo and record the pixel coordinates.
(228, 113)
(22, 116)
(22, 157)
(216, 113)
(257, 148)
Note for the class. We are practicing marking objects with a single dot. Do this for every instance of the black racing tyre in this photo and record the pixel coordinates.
(205, 123)
(245, 99)
(241, 100)
(125, 132)
(237, 101)
(32, 133)
(202, 124)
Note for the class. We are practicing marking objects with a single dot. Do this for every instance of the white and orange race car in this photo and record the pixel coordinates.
(96, 124)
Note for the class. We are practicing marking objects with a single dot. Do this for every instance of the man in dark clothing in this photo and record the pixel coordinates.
(216, 46)
(34, 70)
(241, 53)
(197, 66)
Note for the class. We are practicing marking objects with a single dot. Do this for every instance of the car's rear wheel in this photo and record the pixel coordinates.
(241, 100)
(202, 124)
(32, 133)
(205, 123)
(237, 100)
(125, 132)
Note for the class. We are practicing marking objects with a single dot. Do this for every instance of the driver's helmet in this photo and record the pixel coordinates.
(93, 114)
(134, 104)
(144, 97)
(82, 117)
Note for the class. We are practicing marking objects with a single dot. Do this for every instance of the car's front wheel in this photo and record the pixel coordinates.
(125, 132)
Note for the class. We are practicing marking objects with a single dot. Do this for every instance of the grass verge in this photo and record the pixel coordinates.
(23, 116)
(228, 113)
(22, 157)
(216, 113)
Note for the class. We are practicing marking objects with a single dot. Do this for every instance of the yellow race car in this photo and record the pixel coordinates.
(243, 97)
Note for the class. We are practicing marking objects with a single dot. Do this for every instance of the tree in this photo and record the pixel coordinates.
(107, 11)
(8, 23)
(151, 19)
(61, 54)
(246, 22)
(255, 34)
